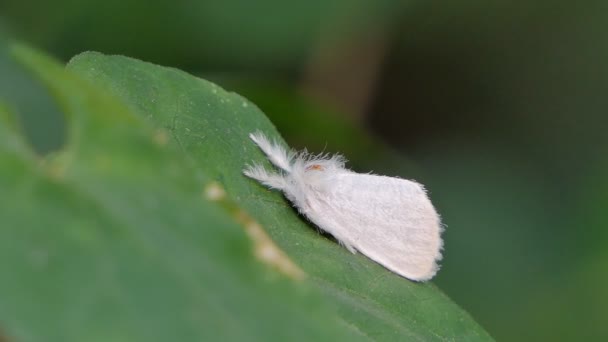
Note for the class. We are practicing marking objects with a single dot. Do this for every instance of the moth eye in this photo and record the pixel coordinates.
(315, 167)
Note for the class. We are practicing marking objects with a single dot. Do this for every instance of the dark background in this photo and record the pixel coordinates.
(499, 108)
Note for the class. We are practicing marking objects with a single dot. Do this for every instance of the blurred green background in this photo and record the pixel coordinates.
(499, 108)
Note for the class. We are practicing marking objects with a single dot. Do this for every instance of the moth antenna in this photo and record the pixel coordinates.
(277, 154)
(273, 180)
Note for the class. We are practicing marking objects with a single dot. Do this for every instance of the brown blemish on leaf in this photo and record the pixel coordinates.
(3, 337)
(264, 248)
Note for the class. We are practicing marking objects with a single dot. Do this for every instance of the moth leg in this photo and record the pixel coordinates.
(351, 249)
(273, 180)
(348, 246)
(276, 153)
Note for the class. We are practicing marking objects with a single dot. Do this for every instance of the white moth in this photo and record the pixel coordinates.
(390, 220)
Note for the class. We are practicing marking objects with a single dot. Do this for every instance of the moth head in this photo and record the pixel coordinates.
(314, 167)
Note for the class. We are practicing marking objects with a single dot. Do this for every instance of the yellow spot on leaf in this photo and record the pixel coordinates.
(214, 192)
(56, 164)
(161, 137)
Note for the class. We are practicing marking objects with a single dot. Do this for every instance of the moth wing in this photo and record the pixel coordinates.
(390, 220)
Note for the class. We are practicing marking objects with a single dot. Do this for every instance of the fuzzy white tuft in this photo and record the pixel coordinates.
(277, 154)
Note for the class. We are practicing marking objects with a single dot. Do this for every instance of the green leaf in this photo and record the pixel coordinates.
(117, 237)
(210, 126)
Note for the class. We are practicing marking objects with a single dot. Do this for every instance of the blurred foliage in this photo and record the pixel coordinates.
(42, 120)
(498, 107)
(273, 33)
